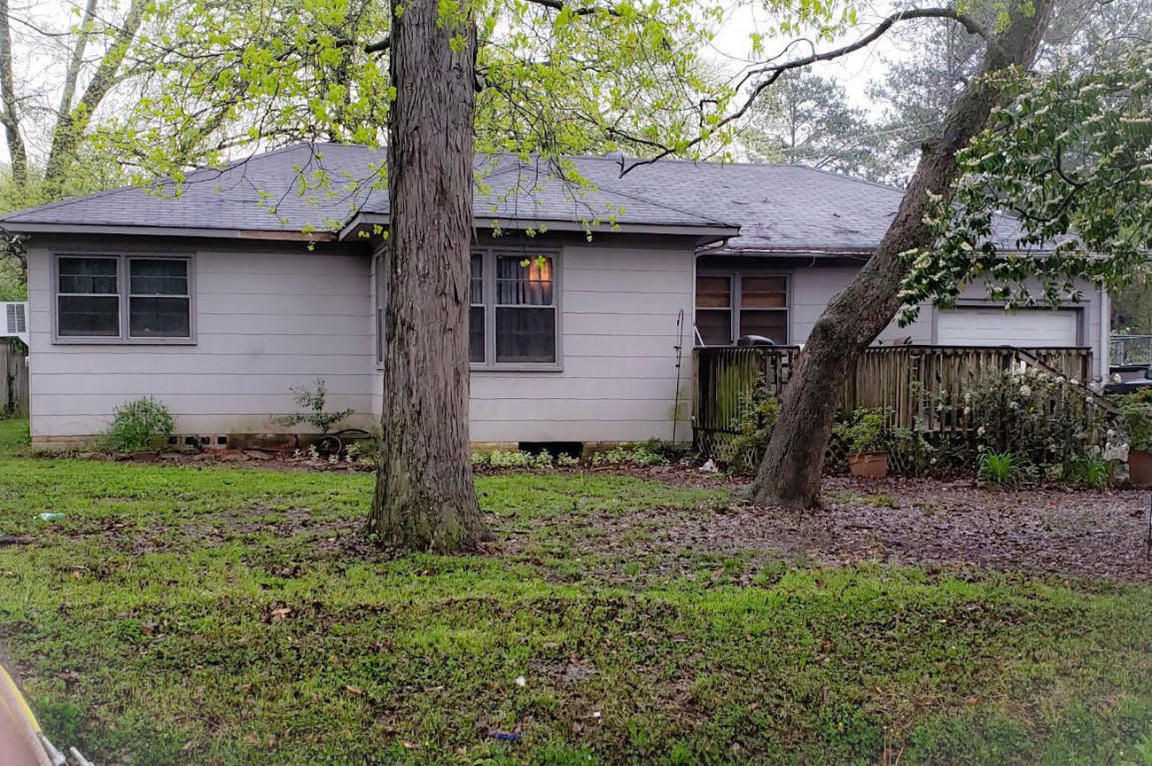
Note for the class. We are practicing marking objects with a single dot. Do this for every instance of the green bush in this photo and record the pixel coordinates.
(911, 451)
(759, 410)
(999, 468)
(866, 431)
(1094, 472)
(634, 454)
(1039, 417)
(137, 425)
(511, 459)
(311, 402)
(1136, 421)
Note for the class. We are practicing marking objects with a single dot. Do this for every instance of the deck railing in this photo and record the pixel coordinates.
(1127, 350)
(911, 381)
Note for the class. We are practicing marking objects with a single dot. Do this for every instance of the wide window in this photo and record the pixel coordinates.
(512, 318)
(123, 298)
(729, 306)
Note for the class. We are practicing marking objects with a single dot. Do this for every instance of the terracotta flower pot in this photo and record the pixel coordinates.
(1140, 467)
(869, 465)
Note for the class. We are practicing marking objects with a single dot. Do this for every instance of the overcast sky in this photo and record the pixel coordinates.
(39, 58)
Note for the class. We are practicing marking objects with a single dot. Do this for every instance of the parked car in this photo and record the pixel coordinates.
(1122, 386)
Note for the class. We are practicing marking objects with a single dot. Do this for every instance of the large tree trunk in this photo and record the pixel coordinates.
(425, 498)
(794, 462)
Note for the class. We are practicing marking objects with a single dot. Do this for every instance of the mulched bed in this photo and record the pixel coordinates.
(1048, 530)
(953, 525)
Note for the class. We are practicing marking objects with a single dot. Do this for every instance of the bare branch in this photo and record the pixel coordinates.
(557, 5)
(71, 125)
(77, 60)
(9, 116)
(771, 72)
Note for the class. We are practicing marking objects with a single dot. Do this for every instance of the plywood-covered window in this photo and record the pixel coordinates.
(714, 309)
(514, 309)
(123, 298)
(731, 305)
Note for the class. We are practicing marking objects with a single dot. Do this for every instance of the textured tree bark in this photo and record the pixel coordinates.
(794, 461)
(425, 498)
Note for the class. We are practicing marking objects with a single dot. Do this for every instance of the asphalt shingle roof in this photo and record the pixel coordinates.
(777, 207)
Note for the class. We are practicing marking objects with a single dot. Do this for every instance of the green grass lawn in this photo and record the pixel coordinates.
(200, 614)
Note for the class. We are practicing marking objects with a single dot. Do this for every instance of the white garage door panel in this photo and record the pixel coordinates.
(996, 327)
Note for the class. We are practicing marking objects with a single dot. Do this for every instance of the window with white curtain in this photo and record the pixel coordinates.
(513, 313)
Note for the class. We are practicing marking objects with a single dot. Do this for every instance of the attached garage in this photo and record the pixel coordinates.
(985, 326)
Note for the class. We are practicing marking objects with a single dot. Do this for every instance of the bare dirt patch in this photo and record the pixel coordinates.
(913, 522)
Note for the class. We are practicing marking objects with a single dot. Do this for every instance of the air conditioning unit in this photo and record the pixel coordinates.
(14, 321)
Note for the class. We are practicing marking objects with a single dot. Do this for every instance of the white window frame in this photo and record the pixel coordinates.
(123, 293)
(488, 271)
(735, 291)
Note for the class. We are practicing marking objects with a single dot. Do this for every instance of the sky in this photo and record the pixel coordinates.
(38, 58)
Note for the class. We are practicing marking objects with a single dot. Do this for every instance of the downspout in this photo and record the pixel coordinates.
(1102, 340)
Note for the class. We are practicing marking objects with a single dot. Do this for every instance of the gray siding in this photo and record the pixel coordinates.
(813, 287)
(618, 309)
(267, 318)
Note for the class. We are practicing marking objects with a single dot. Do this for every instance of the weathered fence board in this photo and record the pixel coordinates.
(910, 381)
(13, 382)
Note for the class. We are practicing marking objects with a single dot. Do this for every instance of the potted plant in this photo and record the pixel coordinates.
(1136, 420)
(865, 438)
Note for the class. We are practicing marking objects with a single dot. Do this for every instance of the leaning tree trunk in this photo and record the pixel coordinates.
(794, 462)
(425, 499)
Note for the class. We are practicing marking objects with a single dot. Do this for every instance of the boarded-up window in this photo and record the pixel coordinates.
(714, 309)
(764, 307)
(729, 306)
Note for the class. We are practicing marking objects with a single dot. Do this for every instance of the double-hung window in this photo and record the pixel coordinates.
(731, 305)
(123, 298)
(513, 309)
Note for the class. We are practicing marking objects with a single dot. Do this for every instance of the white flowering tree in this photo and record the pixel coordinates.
(1071, 159)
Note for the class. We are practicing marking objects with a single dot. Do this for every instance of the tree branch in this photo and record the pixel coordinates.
(384, 43)
(71, 125)
(589, 10)
(773, 72)
(8, 117)
(77, 60)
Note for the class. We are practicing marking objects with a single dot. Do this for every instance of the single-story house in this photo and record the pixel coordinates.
(585, 304)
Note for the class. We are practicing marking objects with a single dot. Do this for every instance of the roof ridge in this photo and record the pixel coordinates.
(615, 193)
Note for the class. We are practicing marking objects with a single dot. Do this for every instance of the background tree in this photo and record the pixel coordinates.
(1072, 155)
(806, 119)
(937, 61)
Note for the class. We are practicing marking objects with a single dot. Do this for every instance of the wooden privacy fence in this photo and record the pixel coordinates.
(13, 382)
(913, 382)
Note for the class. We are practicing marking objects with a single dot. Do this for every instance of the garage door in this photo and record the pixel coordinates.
(996, 327)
